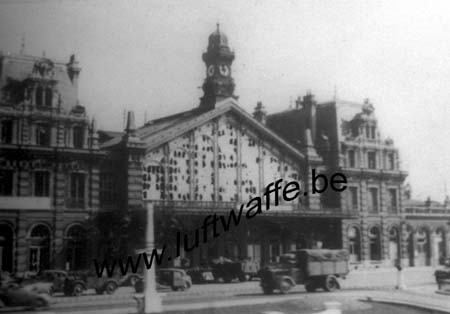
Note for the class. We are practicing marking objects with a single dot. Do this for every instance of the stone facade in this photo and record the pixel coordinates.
(51, 168)
(384, 226)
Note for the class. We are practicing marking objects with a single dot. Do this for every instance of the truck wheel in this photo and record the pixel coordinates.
(242, 277)
(285, 286)
(310, 287)
(77, 289)
(227, 279)
(133, 280)
(267, 290)
(39, 303)
(110, 287)
(330, 283)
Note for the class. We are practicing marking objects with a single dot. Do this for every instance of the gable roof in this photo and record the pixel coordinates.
(160, 131)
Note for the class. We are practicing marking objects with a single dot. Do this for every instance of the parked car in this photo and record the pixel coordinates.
(46, 281)
(81, 281)
(75, 283)
(201, 275)
(175, 278)
(442, 276)
(129, 279)
(18, 296)
(227, 269)
(312, 268)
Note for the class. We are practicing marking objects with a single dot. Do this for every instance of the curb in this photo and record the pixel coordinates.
(115, 298)
(408, 303)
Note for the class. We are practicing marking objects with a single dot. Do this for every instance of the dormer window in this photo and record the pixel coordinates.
(372, 132)
(43, 135)
(39, 96)
(44, 97)
(48, 97)
(391, 161)
(78, 137)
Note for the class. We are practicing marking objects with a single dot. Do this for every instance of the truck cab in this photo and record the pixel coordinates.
(313, 268)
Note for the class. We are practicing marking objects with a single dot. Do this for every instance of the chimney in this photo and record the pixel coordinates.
(73, 70)
(131, 126)
(260, 113)
(309, 105)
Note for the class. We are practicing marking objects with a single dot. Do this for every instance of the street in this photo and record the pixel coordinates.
(247, 297)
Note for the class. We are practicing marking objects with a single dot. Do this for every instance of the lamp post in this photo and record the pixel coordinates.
(152, 300)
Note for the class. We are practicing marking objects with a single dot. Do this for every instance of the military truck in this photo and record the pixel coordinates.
(315, 269)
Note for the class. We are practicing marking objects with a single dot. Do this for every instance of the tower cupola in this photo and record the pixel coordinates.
(218, 84)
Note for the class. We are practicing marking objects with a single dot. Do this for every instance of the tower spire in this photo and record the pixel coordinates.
(219, 83)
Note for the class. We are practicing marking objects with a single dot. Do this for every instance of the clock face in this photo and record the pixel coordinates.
(224, 70)
(211, 70)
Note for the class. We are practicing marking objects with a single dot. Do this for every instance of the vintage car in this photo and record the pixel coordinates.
(46, 281)
(200, 275)
(129, 280)
(80, 281)
(12, 296)
(227, 270)
(312, 268)
(173, 278)
(442, 276)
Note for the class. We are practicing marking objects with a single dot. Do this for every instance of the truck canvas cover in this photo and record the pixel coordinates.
(324, 255)
(324, 262)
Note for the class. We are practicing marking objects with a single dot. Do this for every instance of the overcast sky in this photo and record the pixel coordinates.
(146, 56)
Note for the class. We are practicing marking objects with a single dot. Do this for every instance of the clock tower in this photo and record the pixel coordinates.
(218, 83)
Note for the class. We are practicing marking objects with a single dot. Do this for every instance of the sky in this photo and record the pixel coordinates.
(145, 56)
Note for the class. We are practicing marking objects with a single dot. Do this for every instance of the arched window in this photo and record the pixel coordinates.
(375, 244)
(76, 248)
(354, 244)
(39, 249)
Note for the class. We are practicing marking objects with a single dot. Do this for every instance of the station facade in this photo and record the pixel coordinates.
(70, 193)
